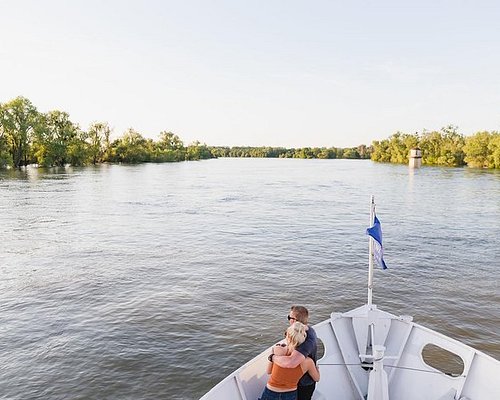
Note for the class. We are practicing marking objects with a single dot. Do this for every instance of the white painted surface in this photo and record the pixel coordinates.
(404, 370)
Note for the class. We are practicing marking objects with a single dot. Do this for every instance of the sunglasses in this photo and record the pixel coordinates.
(291, 318)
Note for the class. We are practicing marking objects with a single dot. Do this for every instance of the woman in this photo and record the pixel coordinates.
(282, 384)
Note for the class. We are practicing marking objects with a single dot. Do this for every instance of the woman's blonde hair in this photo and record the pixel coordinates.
(296, 334)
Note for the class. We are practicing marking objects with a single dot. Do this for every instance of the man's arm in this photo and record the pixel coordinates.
(290, 361)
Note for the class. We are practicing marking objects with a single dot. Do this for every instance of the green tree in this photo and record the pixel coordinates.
(451, 151)
(219, 151)
(78, 152)
(98, 141)
(327, 153)
(40, 149)
(476, 150)
(399, 146)
(381, 151)
(364, 151)
(443, 148)
(55, 137)
(397, 149)
(494, 150)
(169, 141)
(18, 121)
(430, 144)
(5, 156)
(131, 148)
(198, 151)
(304, 152)
(351, 153)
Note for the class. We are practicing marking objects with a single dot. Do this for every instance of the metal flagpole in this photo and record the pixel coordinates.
(370, 250)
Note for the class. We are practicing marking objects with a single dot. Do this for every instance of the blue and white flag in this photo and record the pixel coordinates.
(378, 251)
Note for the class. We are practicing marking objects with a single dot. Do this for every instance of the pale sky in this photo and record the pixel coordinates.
(257, 72)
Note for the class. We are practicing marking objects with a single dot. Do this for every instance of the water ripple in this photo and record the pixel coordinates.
(157, 280)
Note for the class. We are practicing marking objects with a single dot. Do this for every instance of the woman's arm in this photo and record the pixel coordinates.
(308, 366)
(269, 367)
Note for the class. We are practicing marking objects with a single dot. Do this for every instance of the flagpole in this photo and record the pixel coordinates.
(370, 250)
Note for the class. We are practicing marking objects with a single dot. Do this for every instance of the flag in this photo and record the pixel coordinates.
(378, 251)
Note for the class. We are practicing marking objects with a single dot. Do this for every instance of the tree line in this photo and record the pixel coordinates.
(446, 147)
(359, 152)
(28, 136)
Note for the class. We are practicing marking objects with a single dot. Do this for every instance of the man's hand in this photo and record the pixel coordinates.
(290, 361)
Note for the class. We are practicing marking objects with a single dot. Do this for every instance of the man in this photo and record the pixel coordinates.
(307, 349)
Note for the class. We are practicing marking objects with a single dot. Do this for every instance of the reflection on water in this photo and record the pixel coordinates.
(155, 281)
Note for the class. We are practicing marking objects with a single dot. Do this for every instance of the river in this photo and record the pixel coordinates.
(157, 280)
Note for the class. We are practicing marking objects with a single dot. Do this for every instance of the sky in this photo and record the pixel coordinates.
(257, 72)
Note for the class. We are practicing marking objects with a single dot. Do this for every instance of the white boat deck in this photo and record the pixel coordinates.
(348, 369)
(373, 355)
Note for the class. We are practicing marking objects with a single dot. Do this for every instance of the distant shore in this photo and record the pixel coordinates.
(30, 137)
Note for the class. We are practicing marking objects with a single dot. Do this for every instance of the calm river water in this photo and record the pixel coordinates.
(156, 281)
